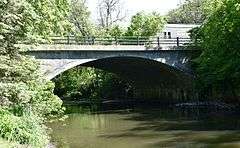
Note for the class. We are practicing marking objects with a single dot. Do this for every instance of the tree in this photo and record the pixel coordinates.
(79, 16)
(29, 20)
(91, 85)
(145, 24)
(116, 31)
(26, 98)
(110, 13)
(191, 12)
(218, 66)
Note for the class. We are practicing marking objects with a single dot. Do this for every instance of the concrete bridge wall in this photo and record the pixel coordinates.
(56, 59)
(155, 73)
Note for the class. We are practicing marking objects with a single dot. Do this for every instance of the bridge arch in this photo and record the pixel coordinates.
(150, 78)
(56, 59)
(144, 71)
(162, 71)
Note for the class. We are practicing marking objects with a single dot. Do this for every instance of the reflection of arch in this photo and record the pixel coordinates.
(142, 70)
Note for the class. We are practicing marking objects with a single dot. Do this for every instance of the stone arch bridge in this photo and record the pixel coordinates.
(149, 69)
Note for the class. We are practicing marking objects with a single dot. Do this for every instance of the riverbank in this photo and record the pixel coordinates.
(104, 105)
(208, 104)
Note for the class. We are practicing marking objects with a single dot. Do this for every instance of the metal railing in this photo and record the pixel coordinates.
(124, 40)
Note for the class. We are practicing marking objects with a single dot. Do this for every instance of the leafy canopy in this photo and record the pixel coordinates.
(26, 98)
(143, 24)
(191, 12)
(80, 18)
(219, 65)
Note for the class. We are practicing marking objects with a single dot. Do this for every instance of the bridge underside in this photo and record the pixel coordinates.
(151, 79)
(142, 72)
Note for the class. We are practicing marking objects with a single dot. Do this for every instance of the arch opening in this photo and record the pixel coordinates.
(148, 79)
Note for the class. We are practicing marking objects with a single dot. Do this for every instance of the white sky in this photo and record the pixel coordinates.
(134, 6)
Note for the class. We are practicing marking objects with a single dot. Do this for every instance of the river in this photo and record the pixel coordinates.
(148, 128)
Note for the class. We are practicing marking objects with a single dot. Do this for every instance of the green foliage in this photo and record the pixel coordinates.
(116, 31)
(23, 129)
(48, 17)
(191, 12)
(26, 98)
(218, 66)
(210, 6)
(79, 16)
(145, 24)
(5, 144)
(32, 20)
(89, 84)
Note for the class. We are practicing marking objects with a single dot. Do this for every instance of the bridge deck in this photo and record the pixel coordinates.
(59, 47)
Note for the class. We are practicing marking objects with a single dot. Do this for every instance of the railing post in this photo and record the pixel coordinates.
(138, 40)
(177, 41)
(85, 40)
(158, 41)
(93, 40)
(68, 39)
(116, 40)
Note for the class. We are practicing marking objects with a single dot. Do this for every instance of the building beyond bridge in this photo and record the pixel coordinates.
(177, 30)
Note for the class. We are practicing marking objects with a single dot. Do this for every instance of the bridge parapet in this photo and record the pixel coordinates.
(60, 47)
(123, 41)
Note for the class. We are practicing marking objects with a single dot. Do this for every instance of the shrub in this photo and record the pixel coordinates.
(22, 129)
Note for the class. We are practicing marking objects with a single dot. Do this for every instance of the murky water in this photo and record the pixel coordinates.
(144, 128)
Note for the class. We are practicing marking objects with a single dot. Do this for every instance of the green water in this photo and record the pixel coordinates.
(146, 128)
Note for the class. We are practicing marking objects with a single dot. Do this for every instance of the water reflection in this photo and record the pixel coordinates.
(144, 128)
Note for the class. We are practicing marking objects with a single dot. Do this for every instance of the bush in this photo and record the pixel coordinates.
(22, 129)
(90, 84)
(26, 100)
(23, 87)
(218, 66)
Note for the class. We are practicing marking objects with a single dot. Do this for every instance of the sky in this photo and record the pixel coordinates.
(134, 6)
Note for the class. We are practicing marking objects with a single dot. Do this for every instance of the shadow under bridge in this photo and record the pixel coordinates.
(151, 79)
